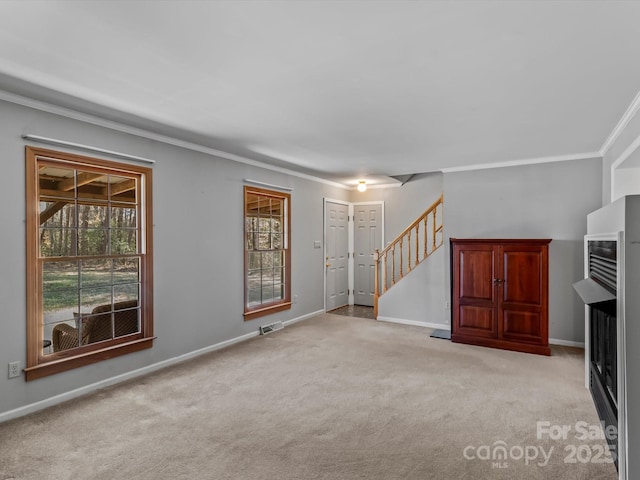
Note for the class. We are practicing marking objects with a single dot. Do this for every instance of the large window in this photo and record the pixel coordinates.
(267, 253)
(89, 270)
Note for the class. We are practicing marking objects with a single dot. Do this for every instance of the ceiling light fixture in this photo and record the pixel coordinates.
(362, 186)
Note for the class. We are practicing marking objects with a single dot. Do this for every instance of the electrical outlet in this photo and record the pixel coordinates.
(446, 304)
(14, 369)
(295, 299)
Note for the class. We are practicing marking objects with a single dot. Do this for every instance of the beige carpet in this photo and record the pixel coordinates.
(329, 398)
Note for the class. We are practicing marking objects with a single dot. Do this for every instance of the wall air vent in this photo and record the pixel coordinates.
(272, 327)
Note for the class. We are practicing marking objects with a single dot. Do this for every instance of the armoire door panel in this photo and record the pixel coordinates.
(521, 325)
(476, 275)
(522, 277)
(476, 320)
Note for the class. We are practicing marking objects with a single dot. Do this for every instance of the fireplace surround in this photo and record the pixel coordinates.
(599, 292)
(618, 222)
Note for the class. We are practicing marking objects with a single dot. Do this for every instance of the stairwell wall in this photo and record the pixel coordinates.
(420, 297)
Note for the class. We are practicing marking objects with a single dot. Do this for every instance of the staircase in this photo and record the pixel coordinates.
(419, 240)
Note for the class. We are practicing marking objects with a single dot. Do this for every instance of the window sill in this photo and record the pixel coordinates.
(250, 315)
(57, 366)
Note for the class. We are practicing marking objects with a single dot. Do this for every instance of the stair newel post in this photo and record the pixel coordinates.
(376, 288)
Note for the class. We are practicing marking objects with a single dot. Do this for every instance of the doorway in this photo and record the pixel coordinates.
(336, 244)
(367, 228)
(353, 231)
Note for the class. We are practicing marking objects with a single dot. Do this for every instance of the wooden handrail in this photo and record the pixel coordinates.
(421, 218)
(382, 280)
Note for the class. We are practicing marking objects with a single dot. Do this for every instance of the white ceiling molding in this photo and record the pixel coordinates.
(258, 183)
(631, 111)
(101, 122)
(615, 133)
(88, 148)
(626, 154)
(380, 185)
(620, 160)
(622, 124)
(529, 161)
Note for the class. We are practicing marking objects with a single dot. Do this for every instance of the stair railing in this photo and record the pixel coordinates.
(408, 250)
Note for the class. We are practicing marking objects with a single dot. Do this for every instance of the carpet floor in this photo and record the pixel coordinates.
(328, 398)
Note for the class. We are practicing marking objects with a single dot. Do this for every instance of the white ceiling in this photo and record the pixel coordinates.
(338, 89)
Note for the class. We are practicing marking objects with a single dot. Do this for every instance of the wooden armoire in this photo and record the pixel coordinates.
(500, 293)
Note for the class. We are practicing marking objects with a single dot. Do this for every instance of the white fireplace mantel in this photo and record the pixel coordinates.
(620, 221)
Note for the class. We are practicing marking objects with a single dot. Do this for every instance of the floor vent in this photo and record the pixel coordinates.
(272, 327)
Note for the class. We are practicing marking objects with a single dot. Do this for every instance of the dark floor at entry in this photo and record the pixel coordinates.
(359, 311)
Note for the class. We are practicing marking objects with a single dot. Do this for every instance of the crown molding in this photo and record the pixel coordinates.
(528, 161)
(89, 148)
(622, 124)
(139, 132)
(373, 186)
(382, 185)
(626, 154)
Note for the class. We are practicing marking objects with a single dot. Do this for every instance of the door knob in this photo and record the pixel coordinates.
(328, 265)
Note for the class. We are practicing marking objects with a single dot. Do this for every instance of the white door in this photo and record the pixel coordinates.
(367, 236)
(336, 247)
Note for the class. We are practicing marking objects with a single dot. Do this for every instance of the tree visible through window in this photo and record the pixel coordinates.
(267, 252)
(89, 269)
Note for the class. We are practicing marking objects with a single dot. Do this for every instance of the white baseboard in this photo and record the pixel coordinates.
(303, 317)
(566, 343)
(415, 323)
(63, 397)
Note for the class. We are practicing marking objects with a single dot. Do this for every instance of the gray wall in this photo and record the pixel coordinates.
(421, 295)
(548, 200)
(198, 249)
